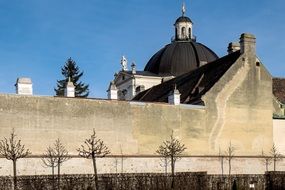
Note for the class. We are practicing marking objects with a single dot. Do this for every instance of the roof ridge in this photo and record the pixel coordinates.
(212, 72)
(283, 78)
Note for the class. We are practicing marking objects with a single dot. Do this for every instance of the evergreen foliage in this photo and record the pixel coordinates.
(71, 70)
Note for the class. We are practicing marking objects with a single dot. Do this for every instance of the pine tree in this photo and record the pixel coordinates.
(71, 70)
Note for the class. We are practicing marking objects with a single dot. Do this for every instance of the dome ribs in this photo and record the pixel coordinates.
(179, 57)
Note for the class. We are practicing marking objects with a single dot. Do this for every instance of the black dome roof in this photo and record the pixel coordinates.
(183, 19)
(180, 57)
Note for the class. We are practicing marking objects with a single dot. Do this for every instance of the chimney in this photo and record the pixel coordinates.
(133, 68)
(248, 44)
(112, 92)
(174, 97)
(24, 86)
(69, 89)
(233, 47)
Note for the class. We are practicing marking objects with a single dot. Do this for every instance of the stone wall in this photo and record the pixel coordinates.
(126, 127)
(127, 164)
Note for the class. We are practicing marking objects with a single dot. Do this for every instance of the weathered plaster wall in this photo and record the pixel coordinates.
(278, 134)
(128, 127)
(240, 109)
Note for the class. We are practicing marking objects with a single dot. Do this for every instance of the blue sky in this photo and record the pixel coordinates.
(37, 36)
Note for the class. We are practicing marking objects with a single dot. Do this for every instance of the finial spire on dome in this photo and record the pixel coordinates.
(183, 9)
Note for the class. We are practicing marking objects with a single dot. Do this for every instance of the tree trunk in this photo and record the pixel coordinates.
(15, 174)
(172, 172)
(222, 165)
(58, 175)
(95, 172)
(274, 164)
(230, 165)
(122, 165)
(230, 179)
(52, 172)
(165, 162)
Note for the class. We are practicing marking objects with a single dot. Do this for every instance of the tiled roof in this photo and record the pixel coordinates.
(278, 86)
(191, 85)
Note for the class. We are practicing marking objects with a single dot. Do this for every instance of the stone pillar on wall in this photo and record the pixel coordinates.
(174, 97)
(24, 86)
(69, 89)
(112, 92)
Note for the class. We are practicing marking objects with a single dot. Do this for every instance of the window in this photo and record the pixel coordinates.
(124, 92)
(140, 89)
(258, 70)
(183, 31)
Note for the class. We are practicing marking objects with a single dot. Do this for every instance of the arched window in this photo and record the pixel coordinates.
(190, 33)
(183, 32)
(140, 89)
(122, 94)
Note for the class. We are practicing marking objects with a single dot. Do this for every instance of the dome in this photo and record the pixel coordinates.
(183, 19)
(180, 57)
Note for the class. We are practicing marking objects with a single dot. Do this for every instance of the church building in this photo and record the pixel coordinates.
(182, 55)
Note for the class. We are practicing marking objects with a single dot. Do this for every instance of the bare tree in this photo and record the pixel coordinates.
(92, 148)
(171, 149)
(61, 155)
(49, 159)
(276, 156)
(12, 149)
(164, 163)
(122, 159)
(266, 160)
(229, 156)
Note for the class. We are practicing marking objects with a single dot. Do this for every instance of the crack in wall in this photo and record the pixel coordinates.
(222, 99)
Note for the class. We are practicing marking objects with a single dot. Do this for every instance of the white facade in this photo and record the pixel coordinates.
(129, 84)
